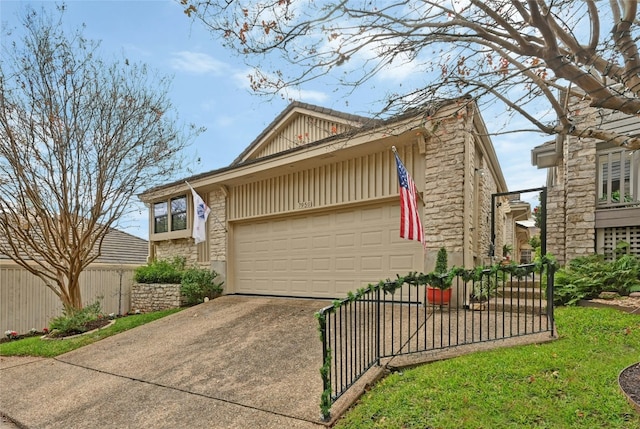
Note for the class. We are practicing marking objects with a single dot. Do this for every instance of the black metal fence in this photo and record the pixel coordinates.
(395, 318)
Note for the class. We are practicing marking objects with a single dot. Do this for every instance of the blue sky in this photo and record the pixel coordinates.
(211, 88)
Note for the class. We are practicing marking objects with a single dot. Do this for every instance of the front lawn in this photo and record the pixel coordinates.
(35, 346)
(568, 383)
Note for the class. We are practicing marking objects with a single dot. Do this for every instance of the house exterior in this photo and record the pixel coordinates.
(593, 189)
(311, 207)
(26, 303)
(517, 231)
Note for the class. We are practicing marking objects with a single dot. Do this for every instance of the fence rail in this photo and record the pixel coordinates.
(26, 303)
(394, 318)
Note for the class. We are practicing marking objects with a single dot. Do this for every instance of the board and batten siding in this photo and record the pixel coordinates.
(26, 303)
(363, 178)
(300, 131)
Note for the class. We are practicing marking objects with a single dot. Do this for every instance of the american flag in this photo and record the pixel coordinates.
(410, 224)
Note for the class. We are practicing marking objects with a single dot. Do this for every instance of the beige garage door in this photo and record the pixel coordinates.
(322, 255)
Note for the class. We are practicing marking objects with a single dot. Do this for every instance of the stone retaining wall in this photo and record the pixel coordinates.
(155, 296)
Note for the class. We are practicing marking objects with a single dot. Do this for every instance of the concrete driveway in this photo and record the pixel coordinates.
(234, 362)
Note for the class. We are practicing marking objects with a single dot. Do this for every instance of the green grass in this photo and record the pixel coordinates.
(34, 346)
(568, 383)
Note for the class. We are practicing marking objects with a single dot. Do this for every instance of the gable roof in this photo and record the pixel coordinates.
(119, 247)
(289, 126)
(357, 130)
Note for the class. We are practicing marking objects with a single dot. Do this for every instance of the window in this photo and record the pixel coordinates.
(525, 256)
(618, 178)
(179, 213)
(170, 215)
(161, 220)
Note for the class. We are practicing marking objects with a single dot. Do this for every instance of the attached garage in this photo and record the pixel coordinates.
(324, 254)
(311, 207)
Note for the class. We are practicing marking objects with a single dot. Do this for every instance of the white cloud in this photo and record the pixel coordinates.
(309, 96)
(243, 80)
(198, 62)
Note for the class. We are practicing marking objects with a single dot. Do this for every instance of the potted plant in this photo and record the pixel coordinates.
(484, 287)
(480, 293)
(439, 287)
(506, 252)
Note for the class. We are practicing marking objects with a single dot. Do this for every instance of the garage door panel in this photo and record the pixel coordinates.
(344, 217)
(262, 266)
(280, 226)
(345, 263)
(402, 263)
(345, 240)
(321, 286)
(299, 243)
(371, 238)
(280, 285)
(369, 263)
(322, 255)
(301, 265)
(322, 242)
(372, 215)
(279, 244)
(321, 264)
(321, 221)
(280, 265)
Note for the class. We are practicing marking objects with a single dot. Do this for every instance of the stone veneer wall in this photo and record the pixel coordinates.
(581, 189)
(155, 296)
(581, 196)
(218, 232)
(444, 191)
(447, 184)
(168, 249)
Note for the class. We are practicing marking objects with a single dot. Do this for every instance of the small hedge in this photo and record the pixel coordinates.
(587, 276)
(161, 271)
(75, 321)
(196, 283)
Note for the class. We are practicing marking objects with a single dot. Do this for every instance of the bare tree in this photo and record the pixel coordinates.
(520, 53)
(79, 137)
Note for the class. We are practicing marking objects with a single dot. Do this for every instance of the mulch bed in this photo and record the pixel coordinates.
(89, 326)
(629, 381)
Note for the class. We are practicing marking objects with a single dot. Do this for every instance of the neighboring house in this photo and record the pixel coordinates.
(517, 234)
(311, 207)
(25, 301)
(593, 189)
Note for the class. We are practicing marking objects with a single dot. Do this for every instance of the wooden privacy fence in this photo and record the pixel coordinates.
(26, 303)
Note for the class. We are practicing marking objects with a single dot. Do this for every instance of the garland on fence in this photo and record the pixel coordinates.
(438, 280)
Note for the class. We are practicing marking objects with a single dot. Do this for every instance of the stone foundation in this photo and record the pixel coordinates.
(155, 296)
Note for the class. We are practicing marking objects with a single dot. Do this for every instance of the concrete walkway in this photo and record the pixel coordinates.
(234, 362)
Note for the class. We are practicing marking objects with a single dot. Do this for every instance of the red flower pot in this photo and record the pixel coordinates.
(437, 296)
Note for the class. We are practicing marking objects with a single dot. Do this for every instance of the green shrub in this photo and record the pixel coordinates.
(442, 262)
(198, 284)
(587, 276)
(74, 321)
(161, 271)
